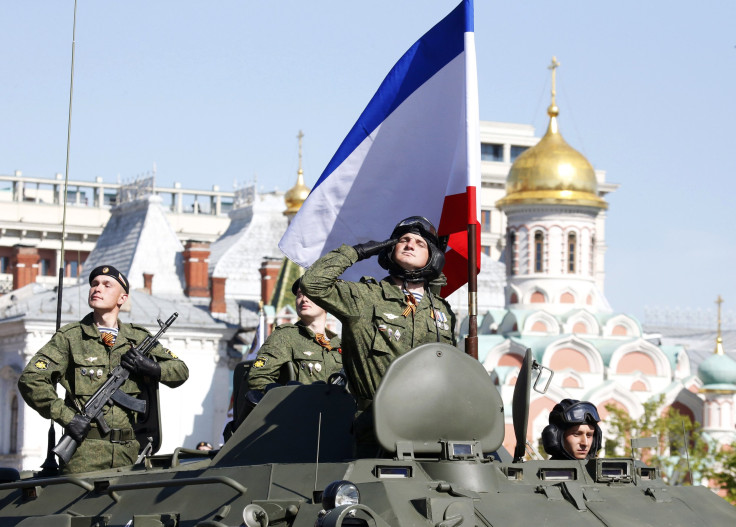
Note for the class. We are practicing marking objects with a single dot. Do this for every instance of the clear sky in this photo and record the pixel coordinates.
(216, 92)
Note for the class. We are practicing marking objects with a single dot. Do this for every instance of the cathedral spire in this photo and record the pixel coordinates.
(553, 110)
(296, 195)
(719, 337)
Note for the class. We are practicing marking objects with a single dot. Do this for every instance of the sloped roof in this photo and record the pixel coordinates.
(253, 234)
(141, 308)
(139, 239)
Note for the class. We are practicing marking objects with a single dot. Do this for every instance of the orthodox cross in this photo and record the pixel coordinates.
(299, 136)
(553, 66)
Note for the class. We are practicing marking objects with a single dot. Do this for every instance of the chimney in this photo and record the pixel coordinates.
(148, 282)
(196, 256)
(24, 265)
(217, 304)
(269, 270)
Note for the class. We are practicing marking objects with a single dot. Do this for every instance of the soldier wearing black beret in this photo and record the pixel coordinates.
(79, 357)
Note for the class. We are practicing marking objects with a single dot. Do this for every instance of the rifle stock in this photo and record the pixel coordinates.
(109, 393)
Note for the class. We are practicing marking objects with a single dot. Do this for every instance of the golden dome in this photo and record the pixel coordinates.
(552, 172)
(296, 195)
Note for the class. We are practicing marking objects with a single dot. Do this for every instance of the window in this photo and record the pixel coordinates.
(571, 245)
(538, 251)
(511, 253)
(44, 266)
(4, 264)
(516, 151)
(491, 152)
(72, 269)
(486, 249)
(485, 220)
(13, 425)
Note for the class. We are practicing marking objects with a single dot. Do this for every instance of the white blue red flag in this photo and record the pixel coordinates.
(414, 151)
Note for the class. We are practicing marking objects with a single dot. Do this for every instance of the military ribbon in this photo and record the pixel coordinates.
(411, 305)
(108, 339)
(323, 341)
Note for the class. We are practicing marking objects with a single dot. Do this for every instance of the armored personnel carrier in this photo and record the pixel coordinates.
(440, 423)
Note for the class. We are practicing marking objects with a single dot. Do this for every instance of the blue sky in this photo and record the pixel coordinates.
(216, 92)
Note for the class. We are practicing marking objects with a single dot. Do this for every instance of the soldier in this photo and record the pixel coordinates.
(79, 356)
(313, 351)
(573, 431)
(383, 320)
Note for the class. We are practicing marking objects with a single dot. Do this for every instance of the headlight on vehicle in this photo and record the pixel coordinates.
(339, 493)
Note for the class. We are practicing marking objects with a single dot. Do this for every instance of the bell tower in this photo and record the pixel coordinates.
(552, 203)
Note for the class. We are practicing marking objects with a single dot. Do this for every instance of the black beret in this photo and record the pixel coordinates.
(109, 270)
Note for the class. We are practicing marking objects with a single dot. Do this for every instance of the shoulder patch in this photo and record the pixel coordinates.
(41, 364)
(259, 363)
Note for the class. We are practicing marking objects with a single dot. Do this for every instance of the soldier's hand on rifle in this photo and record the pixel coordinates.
(372, 248)
(78, 428)
(137, 363)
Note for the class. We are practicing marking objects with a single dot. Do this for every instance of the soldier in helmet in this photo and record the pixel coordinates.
(573, 431)
(308, 347)
(384, 319)
(79, 356)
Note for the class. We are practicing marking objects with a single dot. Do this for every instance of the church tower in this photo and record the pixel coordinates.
(718, 373)
(553, 253)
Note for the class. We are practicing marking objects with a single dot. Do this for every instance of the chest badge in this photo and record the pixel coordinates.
(390, 316)
(91, 359)
(308, 353)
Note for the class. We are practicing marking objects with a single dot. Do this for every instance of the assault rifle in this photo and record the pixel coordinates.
(110, 392)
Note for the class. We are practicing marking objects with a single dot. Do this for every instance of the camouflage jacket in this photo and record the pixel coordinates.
(76, 358)
(295, 343)
(374, 329)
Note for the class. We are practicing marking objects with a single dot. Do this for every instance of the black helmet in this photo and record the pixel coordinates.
(420, 226)
(567, 413)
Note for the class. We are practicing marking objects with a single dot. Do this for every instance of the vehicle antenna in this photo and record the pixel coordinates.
(687, 453)
(316, 465)
(50, 466)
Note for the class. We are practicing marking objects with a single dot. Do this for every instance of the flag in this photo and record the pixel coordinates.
(415, 150)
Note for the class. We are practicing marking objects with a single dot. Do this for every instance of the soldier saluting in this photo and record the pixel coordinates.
(383, 320)
(79, 356)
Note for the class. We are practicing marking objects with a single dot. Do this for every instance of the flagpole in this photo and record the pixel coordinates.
(471, 341)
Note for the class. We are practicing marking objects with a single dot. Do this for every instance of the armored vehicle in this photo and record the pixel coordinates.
(440, 423)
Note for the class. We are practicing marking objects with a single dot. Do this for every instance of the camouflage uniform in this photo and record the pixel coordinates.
(374, 331)
(76, 358)
(295, 343)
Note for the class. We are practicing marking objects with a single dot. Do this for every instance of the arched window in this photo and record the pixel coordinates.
(572, 242)
(511, 253)
(538, 251)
